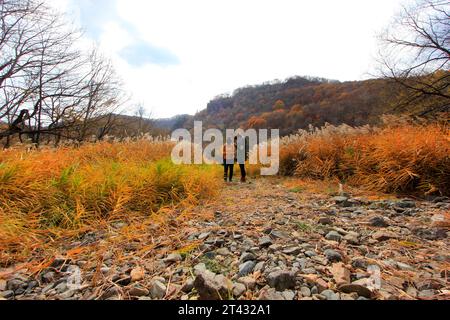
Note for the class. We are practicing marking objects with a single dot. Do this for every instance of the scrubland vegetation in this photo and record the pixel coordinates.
(67, 190)
(56, 192)
(394, 158)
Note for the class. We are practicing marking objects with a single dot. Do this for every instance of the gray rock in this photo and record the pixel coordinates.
(188, 286)
(352, 238)
(223, 252)
(32, 284)
(174, 257)
(333, 255)
(157, 290)
(105, 270)
(246, 268)
(238, 289)
(314, 290)
(15, 284)
(288, 295)
(320, 260)
(406, 203)
(110, 293)
(357, 288)
(309, 271)
(48, 277)
(199, 268)
(204, 235)
(379, 222)
(259, 266)
(122, 280)
(248, 282)
(138, 291)
(325, 221)
(333, 236)
(247, 256)
(62, 287)
(265, 241)
(279, 234)
(360, 263)
(347, 296)
(67, 294)
(404, 266)
(292, 251)
(383, 236)
(3, 285)
(431, 233)
(342, 201)
(330, 295)
(212, 287)
(305, 291)
(48, 288)
(310, 254)
(282, 280)
(426, 294)
(270, 294)
(59, 261)
(7, 294)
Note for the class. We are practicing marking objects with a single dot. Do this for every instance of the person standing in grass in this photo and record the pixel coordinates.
(242, 152)
(229, 158)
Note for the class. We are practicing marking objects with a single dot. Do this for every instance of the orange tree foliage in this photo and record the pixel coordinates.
(299, 102)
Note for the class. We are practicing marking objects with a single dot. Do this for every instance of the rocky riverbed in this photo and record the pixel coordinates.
(261, 240)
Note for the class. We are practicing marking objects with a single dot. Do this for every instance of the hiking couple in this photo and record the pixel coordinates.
(235, 151)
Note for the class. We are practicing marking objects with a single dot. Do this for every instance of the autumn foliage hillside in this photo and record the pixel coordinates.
(299, 102)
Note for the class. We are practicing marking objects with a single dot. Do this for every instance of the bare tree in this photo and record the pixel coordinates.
(103, 94)
(38, 65)
(416, 55)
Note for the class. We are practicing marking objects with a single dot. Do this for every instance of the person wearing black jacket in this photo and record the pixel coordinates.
(242, 152)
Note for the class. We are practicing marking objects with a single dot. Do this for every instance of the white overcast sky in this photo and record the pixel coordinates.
(176, 55)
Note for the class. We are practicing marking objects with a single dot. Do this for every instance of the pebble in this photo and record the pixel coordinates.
(310, 254)
(138, 291)
(281, 280)
(246, 268)
(211, 286)
(7, 294)
(292, 251)
(239, 289)
(378, 222)
(60, 288)
(357, 288)
(188, 286)
(330, 295)
(204, 235)
(325, 221)
(333, 255)
(3, 285)
(247, 256)
(248, 282)
(426, 294)
(270, 294)
(333, 236)
(223, 252)
(157, 289)
(383, 236)
(265, 241)
(305, 291)
(174, 257)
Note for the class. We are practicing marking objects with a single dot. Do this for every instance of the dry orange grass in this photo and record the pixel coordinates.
(51, 193)
(406, 158)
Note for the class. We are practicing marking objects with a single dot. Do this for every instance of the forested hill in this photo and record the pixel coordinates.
(298, 102)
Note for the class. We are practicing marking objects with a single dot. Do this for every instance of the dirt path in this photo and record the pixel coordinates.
(270, 239)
